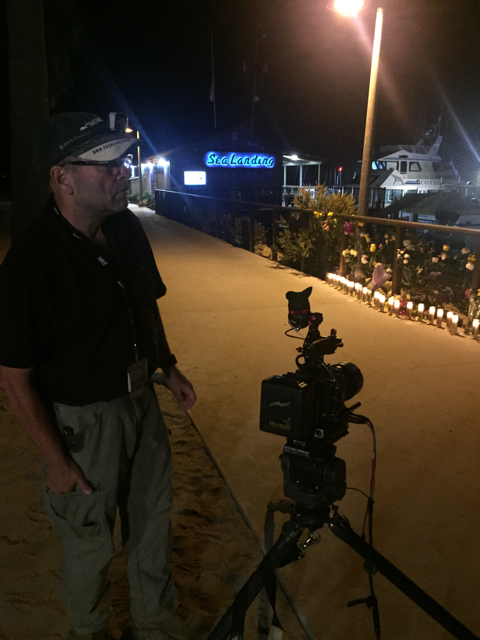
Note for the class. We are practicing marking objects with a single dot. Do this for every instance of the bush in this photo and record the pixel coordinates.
(148, 200)
(311, 240)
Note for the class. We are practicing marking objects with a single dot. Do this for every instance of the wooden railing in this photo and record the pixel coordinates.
(184, 207)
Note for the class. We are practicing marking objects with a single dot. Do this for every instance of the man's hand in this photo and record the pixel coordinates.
(63, 473)
(65, 476)
(181, 388)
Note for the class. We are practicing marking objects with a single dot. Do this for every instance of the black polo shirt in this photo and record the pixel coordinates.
(64, 306)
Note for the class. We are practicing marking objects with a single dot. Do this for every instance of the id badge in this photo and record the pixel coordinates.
(137, 375)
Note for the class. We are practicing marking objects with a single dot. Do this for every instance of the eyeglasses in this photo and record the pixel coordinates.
(113, 166)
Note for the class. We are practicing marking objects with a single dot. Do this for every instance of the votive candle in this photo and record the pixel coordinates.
(391, 300)
(420, 309)
(449, 319)
(431, 314)
(409, 310)
(381, 299)
(366, 297)
(439, 318)
(454, 324)
(475, 325)
(396, 308)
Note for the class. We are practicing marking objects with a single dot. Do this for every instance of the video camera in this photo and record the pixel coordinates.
(308, 408)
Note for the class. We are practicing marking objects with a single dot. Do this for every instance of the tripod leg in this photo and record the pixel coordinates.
(277, 556)
(342, 529)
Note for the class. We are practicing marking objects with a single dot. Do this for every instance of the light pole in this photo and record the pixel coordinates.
(129, 130)
(350, 8)
(139, 167)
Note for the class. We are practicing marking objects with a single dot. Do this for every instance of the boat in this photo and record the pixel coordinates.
(418, 168)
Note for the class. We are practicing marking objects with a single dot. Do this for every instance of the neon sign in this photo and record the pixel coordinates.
(243, 160)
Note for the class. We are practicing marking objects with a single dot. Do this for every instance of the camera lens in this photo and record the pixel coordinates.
(352, 378)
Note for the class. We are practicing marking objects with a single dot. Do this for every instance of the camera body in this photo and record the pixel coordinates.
(307, 407)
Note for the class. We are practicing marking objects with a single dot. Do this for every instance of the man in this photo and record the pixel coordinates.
(80, 337)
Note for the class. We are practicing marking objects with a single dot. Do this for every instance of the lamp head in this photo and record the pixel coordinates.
(348, 8)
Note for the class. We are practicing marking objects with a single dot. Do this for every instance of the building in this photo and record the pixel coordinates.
(232, 164)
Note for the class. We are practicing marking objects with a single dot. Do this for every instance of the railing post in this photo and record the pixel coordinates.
(275, 220)
(397, 264)
(233, 225)
(476, 272)
(251, 231)
(342, 265)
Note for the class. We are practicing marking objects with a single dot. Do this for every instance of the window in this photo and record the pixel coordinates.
(392, 165)
(403, 166)
(415, 166)
(394, 194)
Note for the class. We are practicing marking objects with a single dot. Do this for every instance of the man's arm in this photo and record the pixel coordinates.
(178, 384)
(63, 473)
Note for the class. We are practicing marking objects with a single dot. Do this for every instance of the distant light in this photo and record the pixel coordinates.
(348, 8)
(128, 130)
(340, 168)
(195, 177)
(294, 157)
(162, 162)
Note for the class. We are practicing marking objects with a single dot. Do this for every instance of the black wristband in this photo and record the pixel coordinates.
(169, 361)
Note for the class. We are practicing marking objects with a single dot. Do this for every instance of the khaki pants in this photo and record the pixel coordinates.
(122, 447)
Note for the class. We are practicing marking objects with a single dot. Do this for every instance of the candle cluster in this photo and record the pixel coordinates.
(392, 306)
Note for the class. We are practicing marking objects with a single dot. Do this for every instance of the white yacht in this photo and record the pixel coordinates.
(418, 168)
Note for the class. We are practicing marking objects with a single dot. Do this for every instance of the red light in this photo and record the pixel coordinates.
(340, 168)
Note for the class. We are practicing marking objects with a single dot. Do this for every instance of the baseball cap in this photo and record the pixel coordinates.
(83, 135)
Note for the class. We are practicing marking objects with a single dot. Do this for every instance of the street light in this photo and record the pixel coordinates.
(350, 8)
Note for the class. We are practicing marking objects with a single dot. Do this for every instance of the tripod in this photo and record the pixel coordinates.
(286, 550)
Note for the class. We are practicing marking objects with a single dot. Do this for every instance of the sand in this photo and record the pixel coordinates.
(214, 550)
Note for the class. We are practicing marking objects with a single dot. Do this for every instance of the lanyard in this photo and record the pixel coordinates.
(104, 263)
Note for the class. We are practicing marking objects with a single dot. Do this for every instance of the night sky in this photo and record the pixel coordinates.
(152, 59)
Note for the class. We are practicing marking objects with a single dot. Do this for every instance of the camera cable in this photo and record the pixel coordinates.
(369, 565)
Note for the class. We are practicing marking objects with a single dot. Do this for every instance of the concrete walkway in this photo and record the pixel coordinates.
(225, 314)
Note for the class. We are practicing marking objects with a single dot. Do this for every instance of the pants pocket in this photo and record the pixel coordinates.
(76, 514)
(77, 425)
